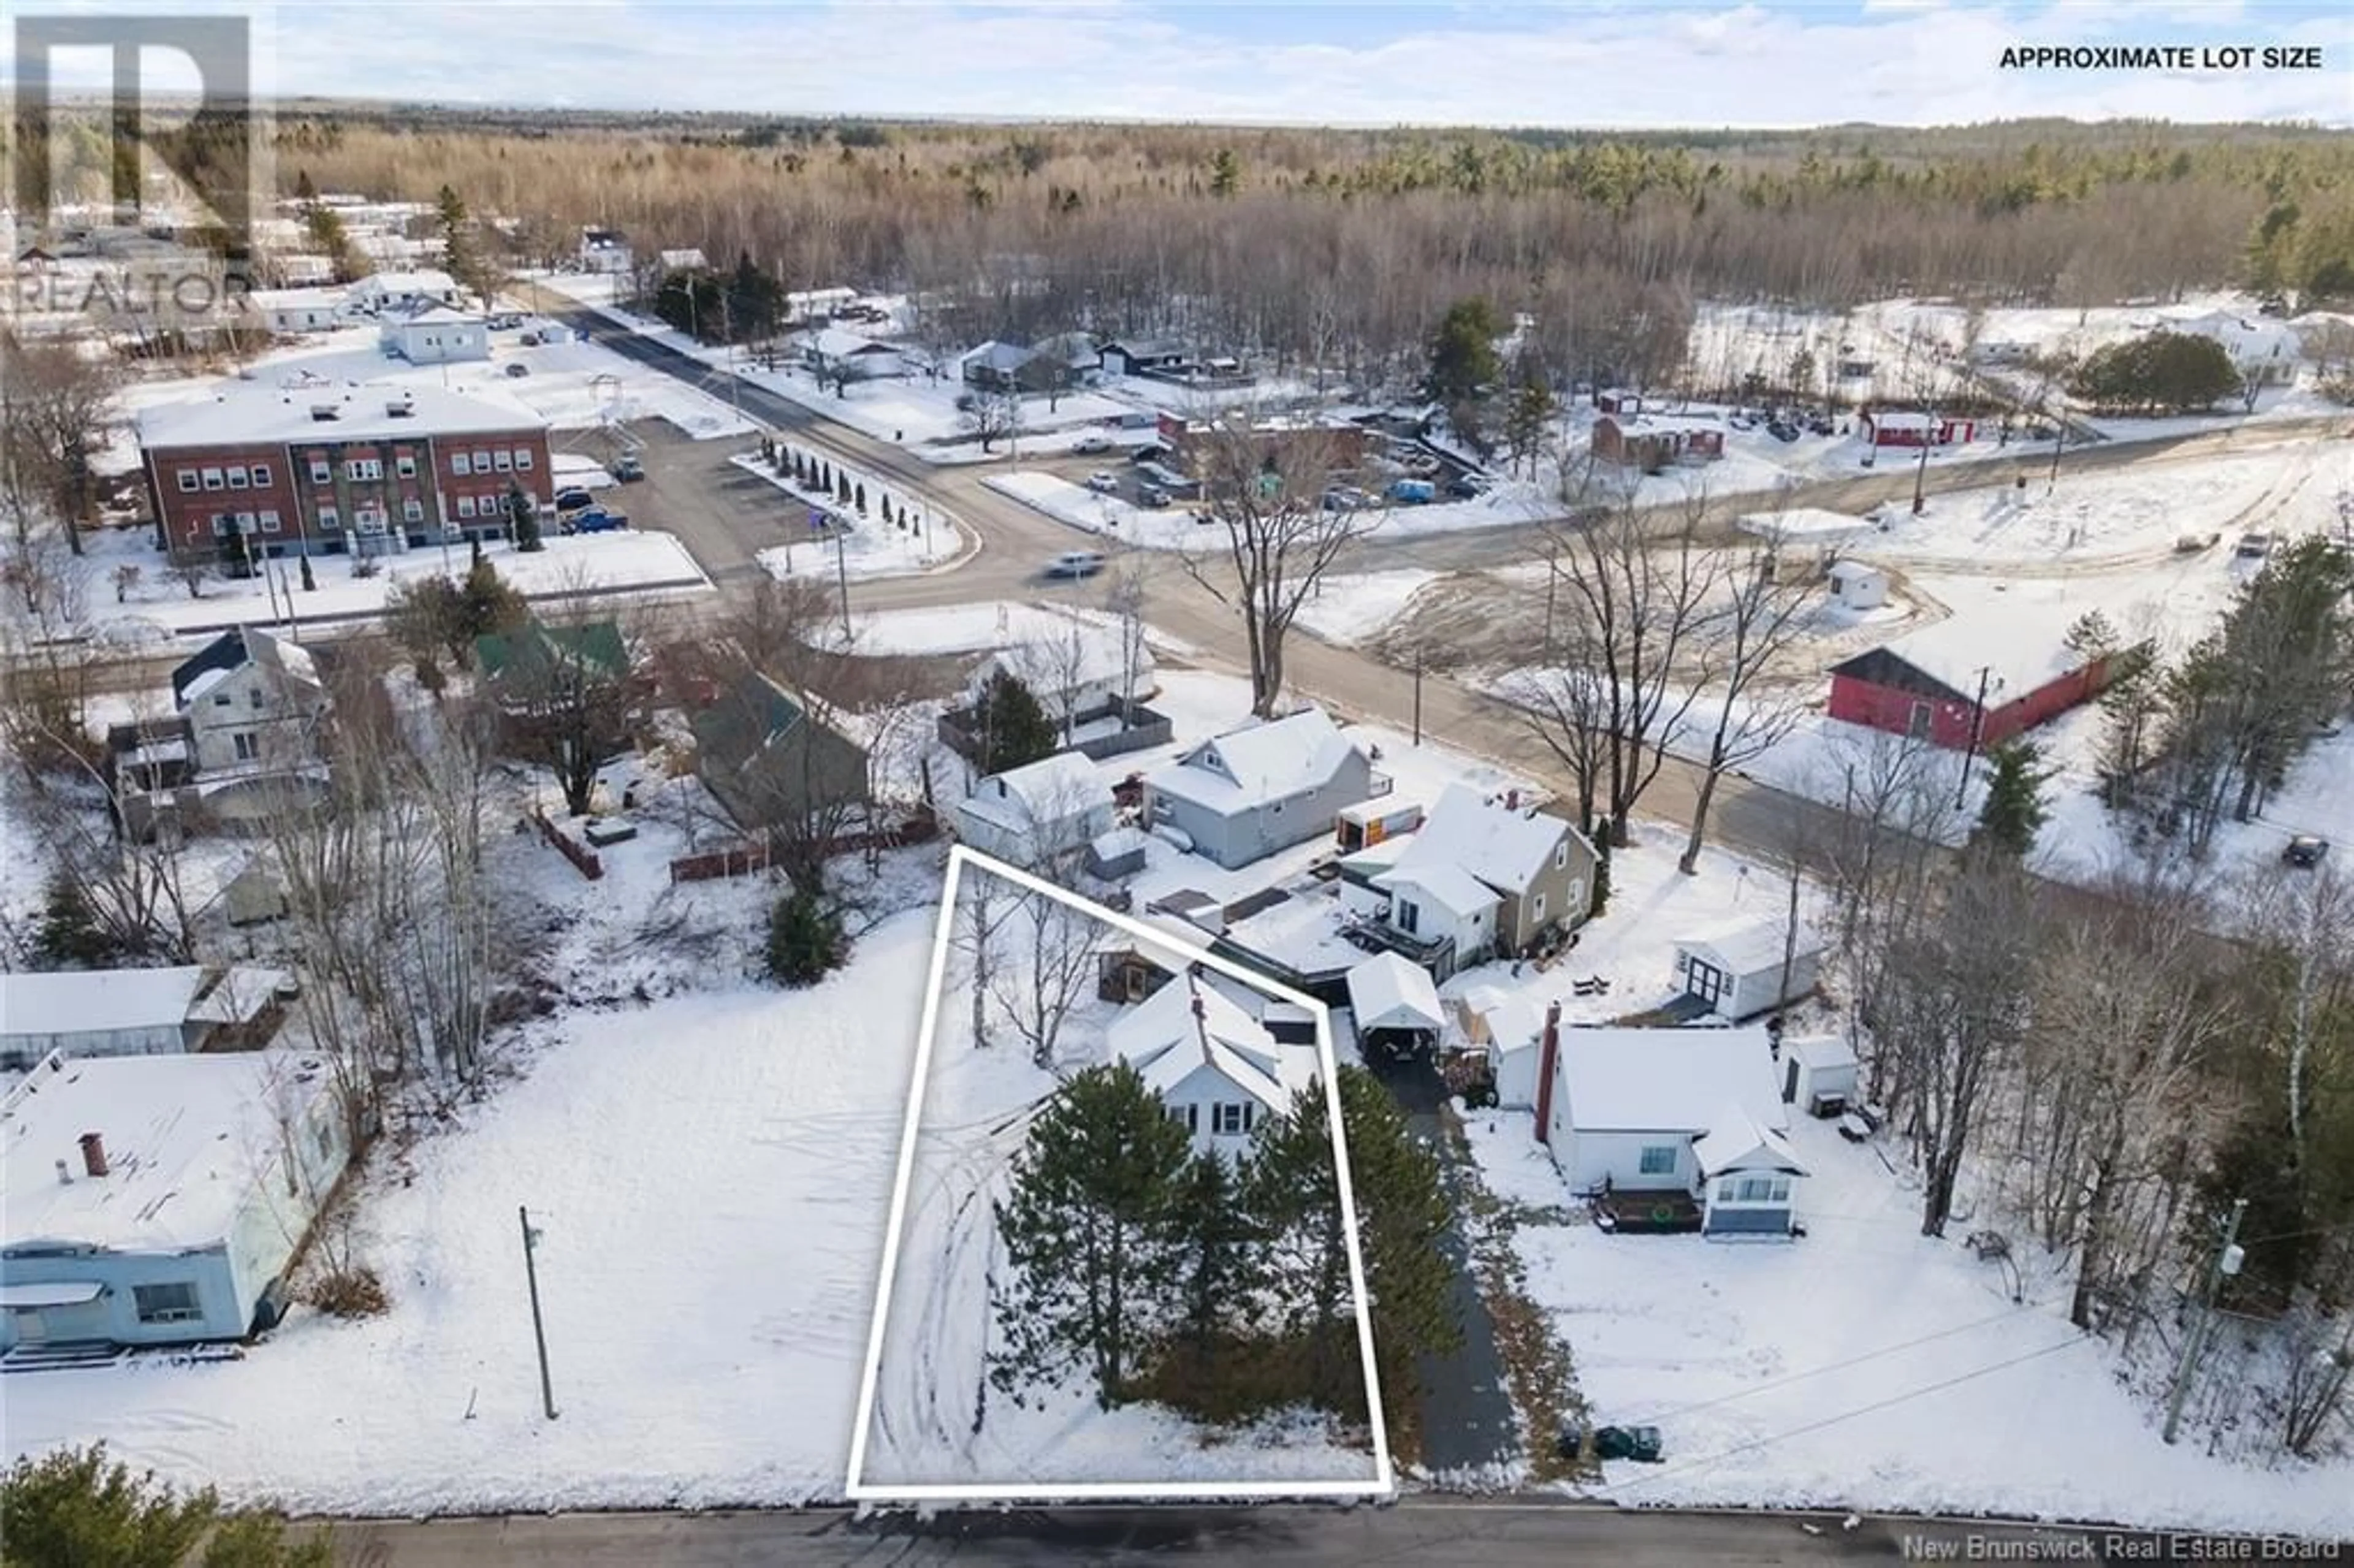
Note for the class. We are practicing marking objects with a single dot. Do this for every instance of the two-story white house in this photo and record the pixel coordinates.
(1034, 815)
(255, 705)
(1216, 1066)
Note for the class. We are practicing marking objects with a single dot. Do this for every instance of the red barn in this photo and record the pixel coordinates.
(1928, 685)
(1896, 428)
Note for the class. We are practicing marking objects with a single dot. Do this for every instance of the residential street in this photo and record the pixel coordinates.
(1495, 1535)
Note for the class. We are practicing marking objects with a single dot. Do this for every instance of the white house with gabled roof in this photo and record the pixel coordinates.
(436, 334)
(1255, 790)
(1031, 815)
(407, 290)
(1216, 1067)
(157, 1200)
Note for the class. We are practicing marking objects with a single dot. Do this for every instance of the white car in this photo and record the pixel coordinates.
(1075, 563)
(1086, 445)
(1104, 483)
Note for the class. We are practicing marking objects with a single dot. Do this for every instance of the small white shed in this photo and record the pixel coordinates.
(1855, 586)
(1737, 968)
(1818, 1072)
(1391, 994)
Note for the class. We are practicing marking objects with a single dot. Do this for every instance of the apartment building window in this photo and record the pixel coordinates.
(465, 506)
(237, 477)
(412, 510)
(270, 522)
(363, 467)
(461, 464)
(482, 462)
(320, 473)
(221, 525)
(501, 460)
(404, 466)
(523, 458)
(369, 520)
(214, 480)
(262, 476)
(189, 481)
(329, 518)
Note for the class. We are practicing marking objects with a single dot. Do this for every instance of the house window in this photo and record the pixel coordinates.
(1191, 1116)
(1406, 915)
(212, 479)
(523, 458)
(458, 464)
(221, 700)
(404, 466)
(329, 518)
(255, 695)
(237, 477)
(412, 510)
(261, 476)
(1538, 913)
(174, 1303)
(465, 506)
(1559, 856)
(501, 459)
(270, 522)
(1757, 1189)
(1727, 1189)
(1781, 1193)
(246, 751)
(364, 468)
(320, 473)
(1659, 1159)
(188, 480)
(1231, 1120)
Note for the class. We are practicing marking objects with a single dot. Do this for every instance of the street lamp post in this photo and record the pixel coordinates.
(538, 1324)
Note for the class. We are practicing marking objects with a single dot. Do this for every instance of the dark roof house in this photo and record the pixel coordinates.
(767, 759)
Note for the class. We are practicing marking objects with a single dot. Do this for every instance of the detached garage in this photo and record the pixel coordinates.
(1737, 968)
(97, 1012)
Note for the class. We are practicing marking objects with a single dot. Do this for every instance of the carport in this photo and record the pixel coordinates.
(1396, 1005)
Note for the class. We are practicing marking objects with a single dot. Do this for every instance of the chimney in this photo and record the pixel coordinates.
(94, 1154)
(65, 1174)
(1547, 1052)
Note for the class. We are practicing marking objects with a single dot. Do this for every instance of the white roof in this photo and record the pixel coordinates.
(1506, 849)
(1820, 1051)
(1069, 657)
(1750, 944)
(1268, 761)
(426, 280)
(1389, 992)
(1854, 571)
(1735, 1142)
(1809, 522)
(441, 315)
(279, 655)
(1649, 424)
(241, 413)
(1453, 889)
(835, 344)
(1186, 1026)
(1513, 1021)
(2019, 652)
(1052, 790)
(241, 995)
(1899, 419)
(296, 299)
(97, 1001)
(186, 1136)
(1668, 1080)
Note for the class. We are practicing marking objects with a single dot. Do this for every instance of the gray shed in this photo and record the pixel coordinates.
(1116, 854)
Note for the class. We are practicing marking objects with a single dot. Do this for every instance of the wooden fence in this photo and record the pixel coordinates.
(742, 859)
(584, 859)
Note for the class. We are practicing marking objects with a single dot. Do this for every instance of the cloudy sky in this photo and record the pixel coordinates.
(1603, 63)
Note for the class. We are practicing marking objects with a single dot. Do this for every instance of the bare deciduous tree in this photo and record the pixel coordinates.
(1738, 644)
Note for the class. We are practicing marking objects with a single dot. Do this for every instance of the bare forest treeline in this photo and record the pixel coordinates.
(1340, 248)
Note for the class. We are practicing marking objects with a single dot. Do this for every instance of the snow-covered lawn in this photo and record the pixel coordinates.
(1177, 525)
(1864, 1366)
(1353, 608)
(935, 1422)
(624, 564)
(710, 1173)
(852, 544)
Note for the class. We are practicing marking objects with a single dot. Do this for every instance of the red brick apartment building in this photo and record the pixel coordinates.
(336, 468)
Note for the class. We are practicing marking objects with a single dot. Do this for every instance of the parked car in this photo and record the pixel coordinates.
(1782, 431)
(1152, 495)
(1464, 487)
(595, 520)
(517, 367)
(1413, 492)
(1086, 446)
(1345, 498)
(2253, 546)
(1075, 563)
(572, 498)
(1640, 1444)
(2305, 850)
(628, 468)
(505, 321)
(1104, 483)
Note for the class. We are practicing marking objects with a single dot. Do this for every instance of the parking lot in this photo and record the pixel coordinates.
(1397, 472)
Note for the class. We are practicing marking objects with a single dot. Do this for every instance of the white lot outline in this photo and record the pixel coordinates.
(1383, 1480)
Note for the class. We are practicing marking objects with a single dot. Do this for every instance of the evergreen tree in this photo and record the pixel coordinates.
(522, 516)
(858, 498)
(1294, 1198)
(1089, 1235)
(1526, 416)
(2173, 371)
(489, 603)
(1225, 173)
(805, 941)
(1462, 353)
(841, 488)
(71, 1506)
(1221, 1259)
(1401, 1213)
(71, 936)
(1014, 727)
(2014, 810)
(1601, 901)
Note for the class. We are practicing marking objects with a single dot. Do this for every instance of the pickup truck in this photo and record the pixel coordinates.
(595, 520)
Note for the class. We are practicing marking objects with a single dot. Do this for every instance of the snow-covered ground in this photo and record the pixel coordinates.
(855, 545)
(1178, 526)
(1353, 608)
(157, 605)
(935, 1421)
(710, 1173)
(1864, 1366)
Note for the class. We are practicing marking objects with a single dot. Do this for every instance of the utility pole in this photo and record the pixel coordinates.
(538, 1326)
(841, 569)
(2228, 1257)
(1417, 696)
(1920, 473)
(1977, 729)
